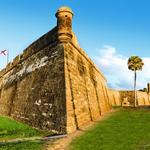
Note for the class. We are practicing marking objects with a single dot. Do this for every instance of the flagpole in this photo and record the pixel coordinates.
(7, 56)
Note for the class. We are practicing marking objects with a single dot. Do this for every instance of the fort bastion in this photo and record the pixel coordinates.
(54, 85)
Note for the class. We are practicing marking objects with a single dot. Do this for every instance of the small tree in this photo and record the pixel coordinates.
(135, 63)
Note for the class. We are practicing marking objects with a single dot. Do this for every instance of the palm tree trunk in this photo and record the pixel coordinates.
(135, 100)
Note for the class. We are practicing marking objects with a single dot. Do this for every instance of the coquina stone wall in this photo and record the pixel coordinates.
(32, 87)
(53, 84)
(86, 94)
(115, 97)
(126, 98)
(142, 97)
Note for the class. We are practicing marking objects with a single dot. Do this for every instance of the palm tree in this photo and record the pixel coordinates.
(135, 63)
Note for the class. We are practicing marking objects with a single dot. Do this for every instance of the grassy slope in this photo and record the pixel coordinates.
(11, 129)
(23, 146)
(127, 129)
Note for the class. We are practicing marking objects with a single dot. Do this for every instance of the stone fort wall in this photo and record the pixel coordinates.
(32, 87)
(125, 98)
(53, 84)
(142, 97)
(115, 97)
(86, 93)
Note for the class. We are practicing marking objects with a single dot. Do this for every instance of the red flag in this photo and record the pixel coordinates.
(3, 52)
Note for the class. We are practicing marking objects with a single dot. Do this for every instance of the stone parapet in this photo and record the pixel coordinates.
(49, 38)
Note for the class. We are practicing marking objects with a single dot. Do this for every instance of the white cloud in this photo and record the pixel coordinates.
(114, 67)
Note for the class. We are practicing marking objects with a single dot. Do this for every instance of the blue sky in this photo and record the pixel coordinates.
(100, 25)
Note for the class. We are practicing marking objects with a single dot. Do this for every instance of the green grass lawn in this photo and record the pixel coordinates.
(11, 129)
(127, 129)
(23, 146)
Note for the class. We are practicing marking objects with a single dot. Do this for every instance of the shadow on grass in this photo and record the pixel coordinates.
(36, 145)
